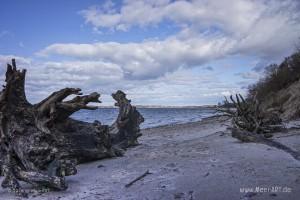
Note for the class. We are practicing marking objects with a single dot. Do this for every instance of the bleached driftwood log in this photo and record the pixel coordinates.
(41, 144)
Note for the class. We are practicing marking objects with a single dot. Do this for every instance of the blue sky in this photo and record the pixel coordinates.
(159, 52)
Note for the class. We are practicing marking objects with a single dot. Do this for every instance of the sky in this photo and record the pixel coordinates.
(159, 52)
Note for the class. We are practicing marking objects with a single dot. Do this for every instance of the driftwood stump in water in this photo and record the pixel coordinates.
(40, 144)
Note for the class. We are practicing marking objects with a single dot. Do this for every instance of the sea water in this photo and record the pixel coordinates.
(153, 116)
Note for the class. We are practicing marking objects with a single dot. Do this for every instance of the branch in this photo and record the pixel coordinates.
(44, 106)
(54, 109)
(138, 178)
(65, 109)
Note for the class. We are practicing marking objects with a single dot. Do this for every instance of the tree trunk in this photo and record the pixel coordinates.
(40, 144)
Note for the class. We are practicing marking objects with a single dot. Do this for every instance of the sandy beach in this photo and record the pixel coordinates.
(192, 161)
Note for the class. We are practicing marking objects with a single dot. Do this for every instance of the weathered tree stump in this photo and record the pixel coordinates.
(41, 144)
(126, 129)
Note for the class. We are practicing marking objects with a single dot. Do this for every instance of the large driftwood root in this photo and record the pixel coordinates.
(40, 144)
(249, 122)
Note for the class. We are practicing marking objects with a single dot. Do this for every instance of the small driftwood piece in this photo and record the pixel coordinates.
(138, 178)
(40, 144)
(249, 121)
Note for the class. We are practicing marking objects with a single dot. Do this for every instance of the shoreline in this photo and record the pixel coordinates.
(196, 160)
(183, 123)
(107, 118)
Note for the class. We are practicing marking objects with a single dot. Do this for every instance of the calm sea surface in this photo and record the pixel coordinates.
(153, 116)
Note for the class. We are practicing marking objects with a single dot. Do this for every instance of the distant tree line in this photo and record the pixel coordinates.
(276, 77)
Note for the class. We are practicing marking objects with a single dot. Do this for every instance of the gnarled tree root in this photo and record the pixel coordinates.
(40, 144)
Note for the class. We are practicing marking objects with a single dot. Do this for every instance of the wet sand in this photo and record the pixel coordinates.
(192, 161)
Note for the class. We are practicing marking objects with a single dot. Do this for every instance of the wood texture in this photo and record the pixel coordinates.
(41, 144)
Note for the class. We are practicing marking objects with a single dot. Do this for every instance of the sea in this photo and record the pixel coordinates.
(153, 116)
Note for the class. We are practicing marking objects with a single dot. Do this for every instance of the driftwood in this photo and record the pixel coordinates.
(249, 120)
(137, 179)
(41, 144)
(126, 129)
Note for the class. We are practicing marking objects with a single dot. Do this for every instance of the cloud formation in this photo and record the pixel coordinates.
(149, 59)
(182, 87)
(209, 30)
(179, 68)
(265, 28)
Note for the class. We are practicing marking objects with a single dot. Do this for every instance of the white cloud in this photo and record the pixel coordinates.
(230, 15)
(149, 59)
(236, 17)
(44, 78)
(209, 30)
(162, 71)
(4, 59)
(181, 87)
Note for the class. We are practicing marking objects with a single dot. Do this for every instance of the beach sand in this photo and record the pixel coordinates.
(192, 161)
